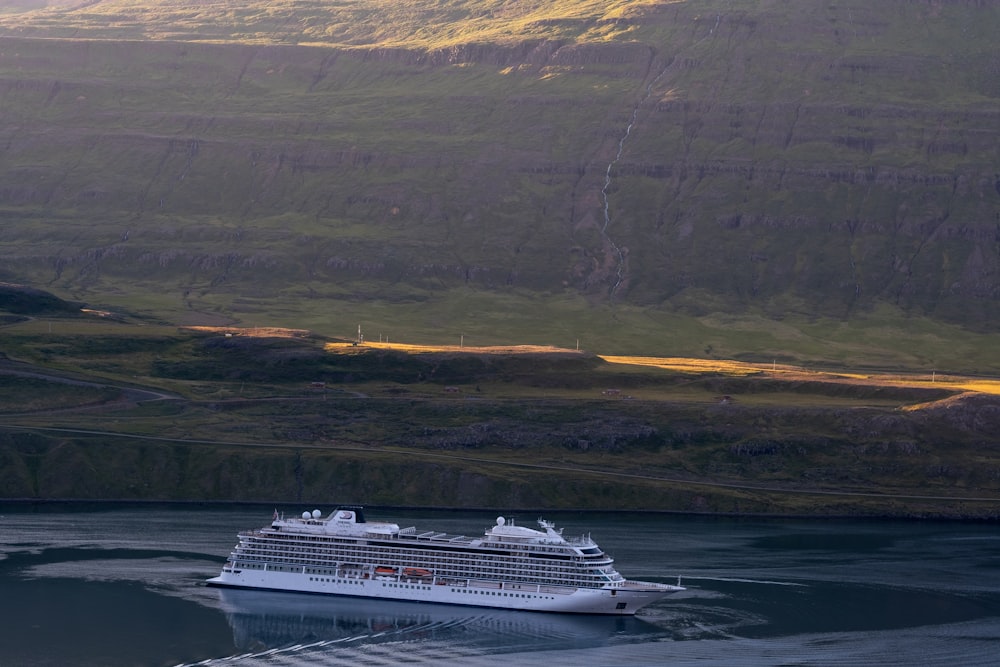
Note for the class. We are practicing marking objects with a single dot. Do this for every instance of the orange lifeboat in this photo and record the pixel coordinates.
(416, 572)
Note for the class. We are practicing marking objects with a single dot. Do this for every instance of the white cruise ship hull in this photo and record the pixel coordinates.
(509, 567)
(623, 601)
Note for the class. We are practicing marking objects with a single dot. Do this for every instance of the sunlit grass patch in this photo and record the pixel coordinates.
(688, 365)
(412, 348)
(786, 371)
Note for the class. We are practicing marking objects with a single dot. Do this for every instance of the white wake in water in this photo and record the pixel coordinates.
(969, 644)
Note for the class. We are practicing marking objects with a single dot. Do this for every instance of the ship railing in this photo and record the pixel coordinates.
(646, 585)
(509, 586)
(517, 586)
(378, 535)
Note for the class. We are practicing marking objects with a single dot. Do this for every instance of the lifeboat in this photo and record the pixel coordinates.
(416, 572)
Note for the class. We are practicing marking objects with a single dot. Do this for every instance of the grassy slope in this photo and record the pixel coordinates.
(533, 430)
(432, 170)
(407, 23)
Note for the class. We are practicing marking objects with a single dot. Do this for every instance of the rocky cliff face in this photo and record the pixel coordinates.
(711, 157)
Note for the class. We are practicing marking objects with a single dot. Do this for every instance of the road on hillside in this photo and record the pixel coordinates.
(131, 394)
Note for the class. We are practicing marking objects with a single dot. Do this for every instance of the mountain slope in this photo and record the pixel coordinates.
(749, 159)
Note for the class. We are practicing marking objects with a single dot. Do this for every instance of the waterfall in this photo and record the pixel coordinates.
(616, 249)
(620, 270)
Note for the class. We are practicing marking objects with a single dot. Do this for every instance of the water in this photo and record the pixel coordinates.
(94, 585)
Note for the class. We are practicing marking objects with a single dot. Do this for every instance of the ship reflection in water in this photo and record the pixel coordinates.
(265, 621)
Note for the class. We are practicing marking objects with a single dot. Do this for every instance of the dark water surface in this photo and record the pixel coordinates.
(118, 585)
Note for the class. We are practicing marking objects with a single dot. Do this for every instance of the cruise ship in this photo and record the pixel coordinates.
(508, 567)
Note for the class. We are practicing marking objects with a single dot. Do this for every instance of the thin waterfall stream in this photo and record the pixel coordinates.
(619, 254)
(620, 269)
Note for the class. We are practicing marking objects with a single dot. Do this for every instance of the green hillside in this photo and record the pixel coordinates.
(92, 408)
(805, 180)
